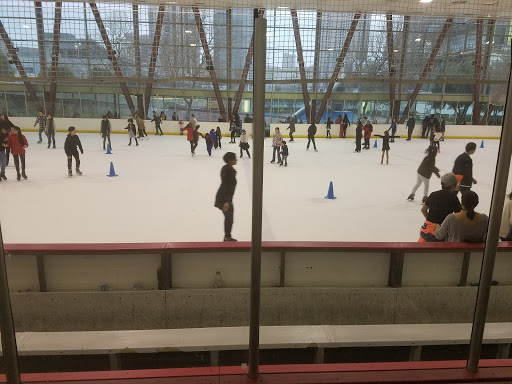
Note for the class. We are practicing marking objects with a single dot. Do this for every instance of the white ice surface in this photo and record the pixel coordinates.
(163, 194)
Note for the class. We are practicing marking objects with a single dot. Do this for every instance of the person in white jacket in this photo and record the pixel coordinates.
(506, 219)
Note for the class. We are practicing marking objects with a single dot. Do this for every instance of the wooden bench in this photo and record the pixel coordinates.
(213, 340)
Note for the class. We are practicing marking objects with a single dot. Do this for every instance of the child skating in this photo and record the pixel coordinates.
(284, 154)
(218, 134)
(244, 144)
(209, 143)
(71, 146)
(385, 146)
(328, 127)
(18, 142)
(132, 132)
(214, 138)
(393, 131)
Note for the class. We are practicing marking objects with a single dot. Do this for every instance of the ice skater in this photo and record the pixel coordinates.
(4, 146)
(443, 128)
(71, 146)
(158, 122)
(192, 136)
(41, 120)
(425, 171)
(232, 128)
(411, 123)
(244, 144)
(141, 126)
(393, 131)
(105, 131)
(346, 124)
(328, 128)
(224, 197)
(436, 138)
(367, 128)
(209, 143)
(132, 132)
(18, 142)
(276, 145)
(50, 130)
(214, 138)
(218, 134)
(284, 154)
(359, 135)
(463, 168)
(291, 127)
(385, 146)
(311, 136)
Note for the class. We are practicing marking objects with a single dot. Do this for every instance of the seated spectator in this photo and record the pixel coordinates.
(465, 226)
(506, 220)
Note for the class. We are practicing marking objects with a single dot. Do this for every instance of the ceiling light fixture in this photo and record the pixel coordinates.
(26, 26)
(487, 42)
(282, 7)
(395, 50)
(188, 31)
(425, 1)
(193, 45)
(170, 2)
(418, 39)
(330, 49)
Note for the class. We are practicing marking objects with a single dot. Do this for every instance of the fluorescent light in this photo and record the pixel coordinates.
(418, 39)
(269, 34)
(487, 42)
(188, 31)
(425, 1)
(282, 7)
(108, 29)
(330, 49)
(395, 50)
(26, 26)
(193, 45)
(170, 2)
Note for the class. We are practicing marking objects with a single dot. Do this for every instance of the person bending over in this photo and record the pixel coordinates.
(224, 197)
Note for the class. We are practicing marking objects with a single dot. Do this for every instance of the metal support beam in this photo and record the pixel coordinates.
(13, 52)
(405, 38)
(300, 60)
(41, 273)
(112, 56)
(428, 67)
(464, 270)
(493, 232)
(43, 67)
(492, 104)
(209, 60)
(260, 62)
(245, 72)
(229, 56)
(489, 37)
(316, 65)
(55, 57)
(477, 107)
(154, 56)
(391, 66)
(396, 269)
(339, 64)
(8, 336)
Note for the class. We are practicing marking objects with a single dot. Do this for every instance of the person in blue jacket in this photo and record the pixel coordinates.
(213, 136)
(393, 131)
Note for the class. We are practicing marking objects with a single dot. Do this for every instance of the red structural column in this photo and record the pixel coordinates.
(245, 72)
(13, 52)
(55, 57)
(339, 64)
(300, 59)
(154, 56)
(112, 56)
(392, 67)
(428, 66)
(209, 60)
(477, 107)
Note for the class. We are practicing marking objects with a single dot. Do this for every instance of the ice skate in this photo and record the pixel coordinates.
(316, 150)
(411, 197)
(40, 141)
(24, 175)
(54, 147)
(78, 172)
(18, 177)
(229, 239)
(424, 201)
(2, 175)
(70, 173)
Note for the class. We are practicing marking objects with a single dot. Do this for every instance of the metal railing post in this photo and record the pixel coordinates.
(493, 232)
(259, 69)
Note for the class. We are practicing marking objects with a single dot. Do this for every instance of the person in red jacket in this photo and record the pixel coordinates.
(192, 136)
(18, 142)
(367, 129)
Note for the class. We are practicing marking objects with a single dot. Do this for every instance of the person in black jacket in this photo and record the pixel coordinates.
(443, 128)
(359, 135)
(105, 131)
(4, 151)
(328, 128)
(424, 127)
(411, 123)
(50, 130)
(425, 170)
(284, 153)
(157, 121)
(224, 197)
(463, 168)
(70, 147)
(346, 124)
(311, 136)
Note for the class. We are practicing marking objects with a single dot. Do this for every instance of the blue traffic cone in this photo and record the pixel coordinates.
(330, 193)
(109, 151)
(482, 145)
(112, 171)
(375, 145)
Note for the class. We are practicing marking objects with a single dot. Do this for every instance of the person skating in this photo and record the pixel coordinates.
(238, 124)
(432, 123)
(141, 125)
(385, 146)
(425, 171)
(339, 121)
(158, 122)
(411, 123)
(132, 132)
(276, 145)
(424, 127)
(105, 131)
(463, 168)
(224, 197)
(213, 135)
(50, 130)
(232, 129)
(443, 128)
(311, 136)
(359, 135)
(436, 138)
(18, 142)
(393, 131)
(209, 143)
(346, 124)
(291, 127)
(284, 153)
(4, 146)
(218, 134)
(71, 146)
(367, 129)
(328, 128)
(41, 120)
(439, 205)
(244, 144)
(192, 136)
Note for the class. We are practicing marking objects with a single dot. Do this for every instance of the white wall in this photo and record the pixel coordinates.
(453, 131)
(169, 127)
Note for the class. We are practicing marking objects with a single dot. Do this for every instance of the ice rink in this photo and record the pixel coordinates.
(163, 194)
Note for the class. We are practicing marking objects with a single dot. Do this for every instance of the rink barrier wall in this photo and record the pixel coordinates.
(172, 128)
